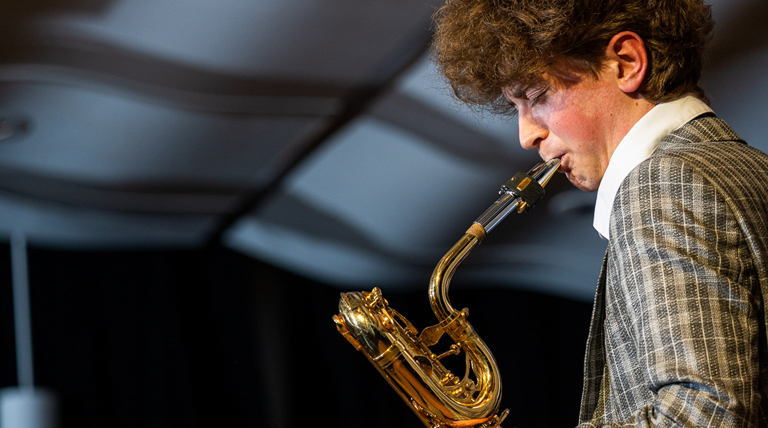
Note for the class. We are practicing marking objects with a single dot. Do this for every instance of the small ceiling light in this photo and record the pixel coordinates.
(13, 127)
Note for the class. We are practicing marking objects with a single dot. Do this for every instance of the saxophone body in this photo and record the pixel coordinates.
(402, 354)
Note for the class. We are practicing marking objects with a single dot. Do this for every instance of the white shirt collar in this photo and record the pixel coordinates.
(639, 143)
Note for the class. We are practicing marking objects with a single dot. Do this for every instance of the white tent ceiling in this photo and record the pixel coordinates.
(312, 134)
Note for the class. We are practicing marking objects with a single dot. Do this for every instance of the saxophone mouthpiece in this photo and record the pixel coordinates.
(544, 171)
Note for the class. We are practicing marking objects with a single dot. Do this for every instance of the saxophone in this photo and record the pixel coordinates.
(401, 354)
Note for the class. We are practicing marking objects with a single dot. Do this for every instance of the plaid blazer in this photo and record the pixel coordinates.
(678, 334)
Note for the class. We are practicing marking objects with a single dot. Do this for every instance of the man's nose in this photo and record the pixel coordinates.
(531, 133)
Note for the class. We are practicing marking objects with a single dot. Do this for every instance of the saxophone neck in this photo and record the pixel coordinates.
(441, 276)
(520, 193)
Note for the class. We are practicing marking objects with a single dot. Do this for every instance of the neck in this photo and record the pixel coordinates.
(632, 110)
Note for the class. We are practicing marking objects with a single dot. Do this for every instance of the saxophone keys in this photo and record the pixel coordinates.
(450, 379)
(454, 350)
(373, 298)
(431, 335)
(496, 421)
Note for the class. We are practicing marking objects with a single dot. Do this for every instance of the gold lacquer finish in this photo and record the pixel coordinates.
(402, 354)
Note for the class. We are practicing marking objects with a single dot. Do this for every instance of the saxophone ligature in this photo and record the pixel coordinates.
(402, 354)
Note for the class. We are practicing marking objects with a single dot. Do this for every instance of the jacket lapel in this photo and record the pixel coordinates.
(594, 360)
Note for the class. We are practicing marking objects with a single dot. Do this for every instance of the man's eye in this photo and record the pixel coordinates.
(538, 97)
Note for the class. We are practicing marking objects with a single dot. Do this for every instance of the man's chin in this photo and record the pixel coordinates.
(581, 184)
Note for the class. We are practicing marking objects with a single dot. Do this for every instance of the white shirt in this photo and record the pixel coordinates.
(639, 143)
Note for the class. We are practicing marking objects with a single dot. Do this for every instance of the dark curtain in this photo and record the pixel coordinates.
(213, 338)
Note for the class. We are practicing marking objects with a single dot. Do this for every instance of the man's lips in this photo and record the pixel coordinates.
(563, 162)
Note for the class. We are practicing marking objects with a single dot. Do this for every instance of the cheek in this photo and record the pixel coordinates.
(573, 127)
(540, 115)
(577, 119)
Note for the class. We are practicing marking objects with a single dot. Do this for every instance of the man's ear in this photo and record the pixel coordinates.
(626, 51)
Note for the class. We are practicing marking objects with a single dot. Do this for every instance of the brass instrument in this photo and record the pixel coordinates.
(402, 355)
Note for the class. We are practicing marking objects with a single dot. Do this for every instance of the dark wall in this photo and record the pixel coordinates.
(213, 338)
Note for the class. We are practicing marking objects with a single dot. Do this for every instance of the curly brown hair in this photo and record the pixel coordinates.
(482, 46)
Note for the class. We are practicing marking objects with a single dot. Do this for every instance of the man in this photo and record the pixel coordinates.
(678, 335)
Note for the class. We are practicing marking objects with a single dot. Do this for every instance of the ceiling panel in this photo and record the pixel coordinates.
(107, 138)
(325, 260)
(424, 83)
(70, 227)
(322, 40)
(370, 170)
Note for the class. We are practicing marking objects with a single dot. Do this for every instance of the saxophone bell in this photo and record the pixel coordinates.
(402, 355)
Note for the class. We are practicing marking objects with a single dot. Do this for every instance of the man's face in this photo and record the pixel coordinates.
(575, 117)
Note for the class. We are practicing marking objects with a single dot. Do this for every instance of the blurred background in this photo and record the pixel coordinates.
(198, 180)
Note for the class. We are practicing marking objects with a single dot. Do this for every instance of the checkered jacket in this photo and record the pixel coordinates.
(678, 334)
